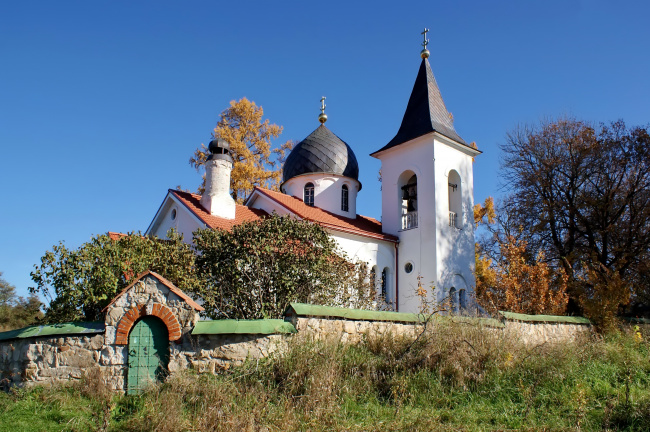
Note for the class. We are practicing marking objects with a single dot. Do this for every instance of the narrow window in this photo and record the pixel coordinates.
(455, 200)
(309, 194)
(384, 284)
(373, 277)
(344, 198)
(452, 299)
(462, 301)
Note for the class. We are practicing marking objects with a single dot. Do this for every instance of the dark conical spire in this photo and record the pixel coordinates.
(425, 112)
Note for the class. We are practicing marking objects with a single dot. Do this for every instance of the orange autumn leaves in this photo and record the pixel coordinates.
(514, 280)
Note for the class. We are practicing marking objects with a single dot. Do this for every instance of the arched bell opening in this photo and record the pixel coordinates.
(454, 200)
(408, 189)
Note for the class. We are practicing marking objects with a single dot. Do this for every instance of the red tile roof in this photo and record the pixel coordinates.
(193, 203)
(115, 235)
(362, 225)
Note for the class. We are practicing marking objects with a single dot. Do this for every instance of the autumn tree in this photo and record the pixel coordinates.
(256, 269)
(81, 282)
(255, 162)
(509, 275)
(581, 194)
(16, 311)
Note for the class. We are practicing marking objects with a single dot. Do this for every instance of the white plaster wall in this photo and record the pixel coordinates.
(185, 223)
(417, 245)
(327, 191)
(374, 252)
(455, 246)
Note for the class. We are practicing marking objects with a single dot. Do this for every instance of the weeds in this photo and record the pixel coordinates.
(454, 377)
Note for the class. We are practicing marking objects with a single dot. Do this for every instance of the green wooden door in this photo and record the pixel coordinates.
(148, 353)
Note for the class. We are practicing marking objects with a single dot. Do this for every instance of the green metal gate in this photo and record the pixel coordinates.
(148, 353)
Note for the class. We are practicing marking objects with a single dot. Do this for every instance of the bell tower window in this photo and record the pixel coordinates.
(344, 198)
(455, 205)
(410, 203)
(308, 196)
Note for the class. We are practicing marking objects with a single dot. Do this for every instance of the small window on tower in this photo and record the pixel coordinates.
(173, 214)
(308, 197)
(344, 198)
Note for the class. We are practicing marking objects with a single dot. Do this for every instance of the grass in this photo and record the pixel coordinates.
(455, 378)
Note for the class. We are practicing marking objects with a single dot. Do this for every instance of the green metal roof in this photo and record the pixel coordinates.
(230, 326)
(489, 322)
(637, 320)
(302, 309)
(72, 328)
(545, 318)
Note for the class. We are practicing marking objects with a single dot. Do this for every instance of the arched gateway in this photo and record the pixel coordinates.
(141, 324)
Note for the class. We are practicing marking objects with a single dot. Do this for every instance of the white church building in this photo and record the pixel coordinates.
(426, 233)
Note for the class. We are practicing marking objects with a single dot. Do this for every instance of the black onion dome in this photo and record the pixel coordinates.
(321, 152)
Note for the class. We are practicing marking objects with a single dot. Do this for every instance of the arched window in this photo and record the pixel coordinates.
(452, 300)
(410, 203)
(384, 284)
(344, 198)
(308, 196)
(455, 204)
(462, 301)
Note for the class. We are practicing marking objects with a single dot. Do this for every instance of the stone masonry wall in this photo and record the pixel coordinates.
(48, 359)
(535, 333)
(212, 353)
(349, 331)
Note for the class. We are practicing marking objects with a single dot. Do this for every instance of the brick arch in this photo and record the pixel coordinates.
(159, 310)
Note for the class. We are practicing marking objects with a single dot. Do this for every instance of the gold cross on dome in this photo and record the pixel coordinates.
(425, 42)
(322, 105)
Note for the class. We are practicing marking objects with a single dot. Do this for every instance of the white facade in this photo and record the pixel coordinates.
(439, 248)
(173, 214)
(328, 192)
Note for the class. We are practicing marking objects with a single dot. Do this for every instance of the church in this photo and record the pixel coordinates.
(426, 234)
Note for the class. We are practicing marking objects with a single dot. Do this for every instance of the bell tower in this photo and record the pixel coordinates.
(427, 200)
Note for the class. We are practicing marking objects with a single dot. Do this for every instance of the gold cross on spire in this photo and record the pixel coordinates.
(425, 52)
(322, 117)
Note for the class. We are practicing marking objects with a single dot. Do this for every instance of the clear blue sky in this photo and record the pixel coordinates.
(103, 102)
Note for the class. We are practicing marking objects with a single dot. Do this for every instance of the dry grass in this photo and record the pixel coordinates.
(454, 377)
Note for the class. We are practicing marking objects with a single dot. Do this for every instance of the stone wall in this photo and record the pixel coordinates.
(536, 333)
(351, 331)
(212, 353)
(51, 359)
(48, 359)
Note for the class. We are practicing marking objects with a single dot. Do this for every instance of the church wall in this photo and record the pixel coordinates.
(374, 252)
(327, 191)
(185, 222)
(455, 245)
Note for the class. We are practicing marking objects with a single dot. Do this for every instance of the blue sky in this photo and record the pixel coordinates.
(102, 103)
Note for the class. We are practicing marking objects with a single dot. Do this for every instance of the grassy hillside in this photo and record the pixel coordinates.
(456, 378)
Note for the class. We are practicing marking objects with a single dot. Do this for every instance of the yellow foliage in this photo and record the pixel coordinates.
(605, 292)
(485, 211)
(515, 284)
(255, 163)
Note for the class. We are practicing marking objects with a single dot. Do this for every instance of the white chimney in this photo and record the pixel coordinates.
(217, 199)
